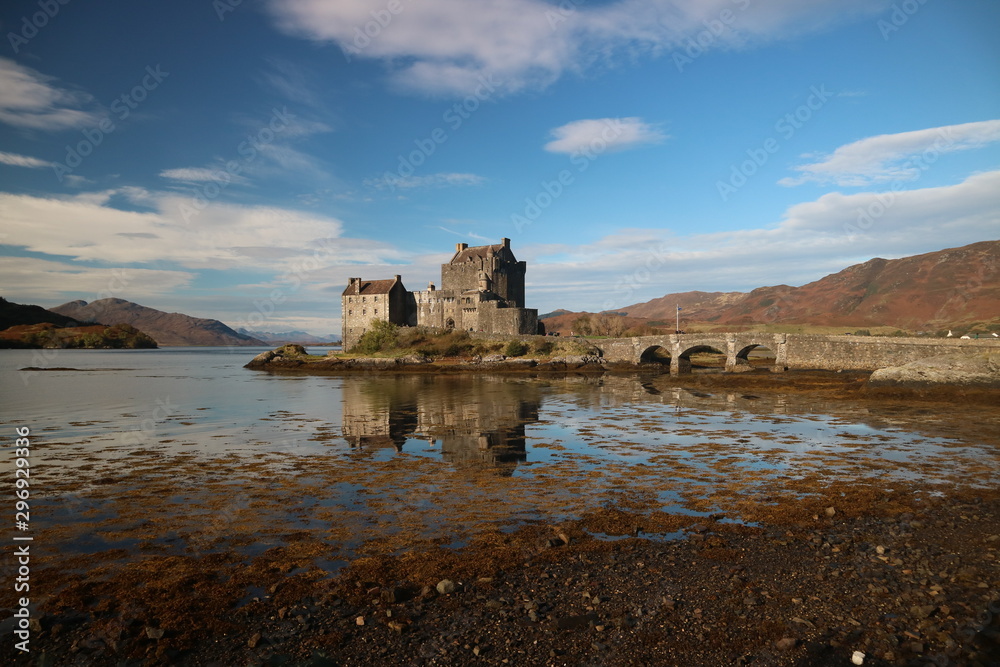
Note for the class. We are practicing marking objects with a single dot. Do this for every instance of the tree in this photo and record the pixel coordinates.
(582, 326)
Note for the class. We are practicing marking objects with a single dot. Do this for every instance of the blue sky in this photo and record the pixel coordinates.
(241, 159)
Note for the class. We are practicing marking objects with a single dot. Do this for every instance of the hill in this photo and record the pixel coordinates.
(16, 314)
(957, 288)
(290, 337)
(166, 328)
(95, 336)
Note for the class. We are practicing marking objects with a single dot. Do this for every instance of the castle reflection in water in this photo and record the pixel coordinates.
(477, 420)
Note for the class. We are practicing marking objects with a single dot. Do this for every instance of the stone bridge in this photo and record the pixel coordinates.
(798, 351)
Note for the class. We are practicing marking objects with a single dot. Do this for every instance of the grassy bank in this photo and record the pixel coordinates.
(387, 340)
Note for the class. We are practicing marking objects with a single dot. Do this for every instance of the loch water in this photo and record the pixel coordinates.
(182, 450)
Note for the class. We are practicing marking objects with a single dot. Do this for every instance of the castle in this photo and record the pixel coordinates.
(482, 289)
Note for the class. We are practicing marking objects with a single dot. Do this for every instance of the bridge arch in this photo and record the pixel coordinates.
(686, 349)
(656, 354)
(764, 349)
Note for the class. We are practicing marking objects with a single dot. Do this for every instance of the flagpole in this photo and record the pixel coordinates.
(677, 324)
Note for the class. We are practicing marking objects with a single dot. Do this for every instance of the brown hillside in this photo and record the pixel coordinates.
(166, 328)
(955, 288)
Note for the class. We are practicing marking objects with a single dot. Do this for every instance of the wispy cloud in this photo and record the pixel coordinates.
(15, 160)
(603, 134)
(445, 46)
(812, 239)
(468, 235)
(443, 180)
(33, 279)
(275, 160)
(196, 174)
(291, 82)
(894, 157)
(31, 100)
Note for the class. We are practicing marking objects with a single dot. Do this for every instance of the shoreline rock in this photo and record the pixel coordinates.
(949, 369)
(295, 358)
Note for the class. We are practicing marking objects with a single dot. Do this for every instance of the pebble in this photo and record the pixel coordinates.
(446, 586)
(786, 643)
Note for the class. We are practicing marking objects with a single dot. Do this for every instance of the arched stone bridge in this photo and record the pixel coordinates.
(803, 351)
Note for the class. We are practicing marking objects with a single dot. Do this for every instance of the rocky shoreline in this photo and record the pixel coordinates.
(294, 358)
(954, 377)
(886, 577)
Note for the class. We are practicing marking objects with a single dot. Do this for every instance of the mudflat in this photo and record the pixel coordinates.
(845, 556)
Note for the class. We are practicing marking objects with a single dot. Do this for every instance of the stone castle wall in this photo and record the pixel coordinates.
(482, 291)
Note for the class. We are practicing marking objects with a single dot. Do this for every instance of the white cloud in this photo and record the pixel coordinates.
(445, 46)
(89, 227)
(29, 99)
(812, 240)
(15, 160)
(894, 157)
(192, 174)
(603, 134)
(442, 180)
(32, 280)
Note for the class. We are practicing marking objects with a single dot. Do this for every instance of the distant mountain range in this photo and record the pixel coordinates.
(957, 288)
(285, 337)
(165, 328)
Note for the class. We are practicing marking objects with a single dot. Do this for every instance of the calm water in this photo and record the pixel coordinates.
(182, 446)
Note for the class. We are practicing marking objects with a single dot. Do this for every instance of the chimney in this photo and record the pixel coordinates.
(505, 242)
(356, 284)
(459, 247)
(398, 277)
(430, 287)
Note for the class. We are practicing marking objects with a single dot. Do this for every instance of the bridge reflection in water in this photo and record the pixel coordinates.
(473, 419)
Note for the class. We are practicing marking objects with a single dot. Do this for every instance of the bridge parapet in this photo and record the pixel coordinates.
(801, 351)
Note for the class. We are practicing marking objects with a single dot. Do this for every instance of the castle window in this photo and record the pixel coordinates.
(376, 298)
(364, 312)
(350, 312)
(376, 312)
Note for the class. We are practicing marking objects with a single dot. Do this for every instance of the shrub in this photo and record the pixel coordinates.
(379, 337)
(454, 349)
(515, 348)
(543, 348)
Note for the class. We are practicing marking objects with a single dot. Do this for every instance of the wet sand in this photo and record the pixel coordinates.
(583, 566)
